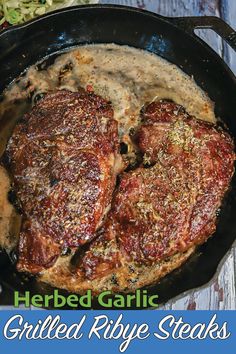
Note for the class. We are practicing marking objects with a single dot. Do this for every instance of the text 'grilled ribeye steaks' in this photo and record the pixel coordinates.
(171, 206)
(64, 160)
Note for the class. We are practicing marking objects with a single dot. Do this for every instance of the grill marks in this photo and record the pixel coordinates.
(64, 160)
(171, 206)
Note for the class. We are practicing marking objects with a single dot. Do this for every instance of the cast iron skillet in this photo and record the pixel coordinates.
(172, 39)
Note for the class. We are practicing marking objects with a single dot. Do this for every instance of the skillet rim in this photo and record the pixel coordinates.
(169, 21)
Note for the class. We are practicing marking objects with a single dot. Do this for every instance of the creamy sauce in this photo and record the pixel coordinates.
(126, 76)
(9, 219)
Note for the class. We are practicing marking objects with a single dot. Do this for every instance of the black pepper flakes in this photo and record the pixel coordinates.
(114, 280)
(53, 182)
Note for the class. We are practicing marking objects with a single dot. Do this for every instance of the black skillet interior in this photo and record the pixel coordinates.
(23, 46)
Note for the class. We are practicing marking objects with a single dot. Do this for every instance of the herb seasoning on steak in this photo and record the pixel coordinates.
(64, 160)
(160, 211)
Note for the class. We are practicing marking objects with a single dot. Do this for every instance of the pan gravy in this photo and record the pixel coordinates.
(126, 76)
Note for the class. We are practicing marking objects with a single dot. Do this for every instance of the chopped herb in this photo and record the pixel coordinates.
(19, 11)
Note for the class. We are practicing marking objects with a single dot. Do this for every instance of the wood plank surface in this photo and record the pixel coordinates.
(220, 293)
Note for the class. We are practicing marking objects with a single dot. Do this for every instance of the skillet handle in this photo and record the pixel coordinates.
(189, 24)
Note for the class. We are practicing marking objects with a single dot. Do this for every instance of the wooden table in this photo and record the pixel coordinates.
(220, 293)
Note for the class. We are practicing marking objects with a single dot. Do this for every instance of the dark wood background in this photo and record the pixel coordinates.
(220, 293)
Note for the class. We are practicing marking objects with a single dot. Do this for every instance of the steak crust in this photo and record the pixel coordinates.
(171, 206)
(64, 175)
(64, 160)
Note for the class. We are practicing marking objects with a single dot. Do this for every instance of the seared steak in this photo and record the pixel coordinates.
(64, 160)
(171, 206)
